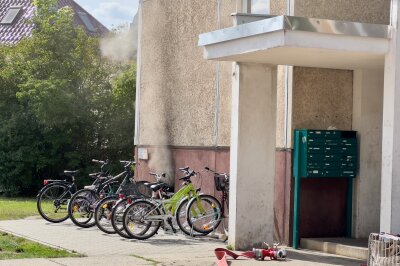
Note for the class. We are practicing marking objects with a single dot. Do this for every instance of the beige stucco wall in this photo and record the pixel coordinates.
(369, 11)
(278, 7)
(322, 98)
(177, 100)
(177, 90)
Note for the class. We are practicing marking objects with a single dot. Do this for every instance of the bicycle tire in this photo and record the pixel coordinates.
(212, 216)
(39, 202)
(104, 210)
(181, 219)
(117, 218)
(130, 221)
(80, 202)
(118, 214)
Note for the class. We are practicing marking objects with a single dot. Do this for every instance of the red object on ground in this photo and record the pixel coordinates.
(260, 254)
(221, 254)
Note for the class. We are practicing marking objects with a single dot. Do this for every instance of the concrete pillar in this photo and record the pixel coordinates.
(390, 186)
(367, 121)
(252, 162)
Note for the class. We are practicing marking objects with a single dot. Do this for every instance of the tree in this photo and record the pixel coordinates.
(60, 103)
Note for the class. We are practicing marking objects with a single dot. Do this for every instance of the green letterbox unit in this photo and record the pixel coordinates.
(325, 153)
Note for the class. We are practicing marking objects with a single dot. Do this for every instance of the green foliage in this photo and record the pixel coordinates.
(61, 103)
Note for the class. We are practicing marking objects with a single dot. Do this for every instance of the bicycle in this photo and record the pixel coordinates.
(147, 216)
(103, 212)
(52, 199)
(83, 202)
(124, 201)
(201, 221)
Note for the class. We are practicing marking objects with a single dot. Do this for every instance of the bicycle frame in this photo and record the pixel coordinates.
(70, 185)
(187, 191)
(169, 206)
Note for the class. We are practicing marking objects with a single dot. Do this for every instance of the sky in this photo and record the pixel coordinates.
(111, 13)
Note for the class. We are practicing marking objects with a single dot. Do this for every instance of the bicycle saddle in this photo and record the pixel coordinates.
(158, 186)
(70, 173)
(151, 184)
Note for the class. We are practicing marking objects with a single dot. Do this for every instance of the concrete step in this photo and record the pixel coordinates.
(348, 247)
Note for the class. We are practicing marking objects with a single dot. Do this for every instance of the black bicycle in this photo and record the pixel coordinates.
(83, 203)
(221, 182)
(129, 187)
(52, 199)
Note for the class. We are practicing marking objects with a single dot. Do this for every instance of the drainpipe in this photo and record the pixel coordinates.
(138, 77)
(217, 83)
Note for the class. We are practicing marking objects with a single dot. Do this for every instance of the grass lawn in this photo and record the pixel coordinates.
(12, 247)
(17, 208)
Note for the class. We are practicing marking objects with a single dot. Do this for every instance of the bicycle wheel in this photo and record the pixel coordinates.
(181, 219)
(52, 202)
(103, 214)
(117, 216)
(138, 221)
(81, 208)
(204, 214)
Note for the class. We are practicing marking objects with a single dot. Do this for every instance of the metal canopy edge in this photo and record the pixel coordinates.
(284, 23)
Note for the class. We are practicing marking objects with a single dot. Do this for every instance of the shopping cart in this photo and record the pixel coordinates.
(383, 250)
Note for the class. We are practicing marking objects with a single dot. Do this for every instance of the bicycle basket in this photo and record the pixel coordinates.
(220, 183)
(129, 188)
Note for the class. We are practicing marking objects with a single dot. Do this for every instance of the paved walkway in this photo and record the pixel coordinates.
(162, 249)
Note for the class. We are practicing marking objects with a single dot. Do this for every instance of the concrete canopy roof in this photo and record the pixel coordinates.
(287, 40)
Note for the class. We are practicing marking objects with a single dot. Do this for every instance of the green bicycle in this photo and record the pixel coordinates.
(143, 218)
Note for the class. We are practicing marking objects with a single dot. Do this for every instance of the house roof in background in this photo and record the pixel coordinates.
(21, 28)
(80, 20)
(11, 34)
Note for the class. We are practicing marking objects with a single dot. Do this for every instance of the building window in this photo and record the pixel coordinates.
(11, 15)
(260, 6)
(86, 21)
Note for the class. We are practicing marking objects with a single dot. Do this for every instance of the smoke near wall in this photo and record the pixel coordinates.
(122, 45)
(161, 161)
(160, 158)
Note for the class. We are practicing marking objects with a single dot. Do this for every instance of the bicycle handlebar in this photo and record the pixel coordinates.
(216, 173)
(99, 161)
(188, 176)
(155, 174)
(127, 163)
(158, 176)
(184, 169)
